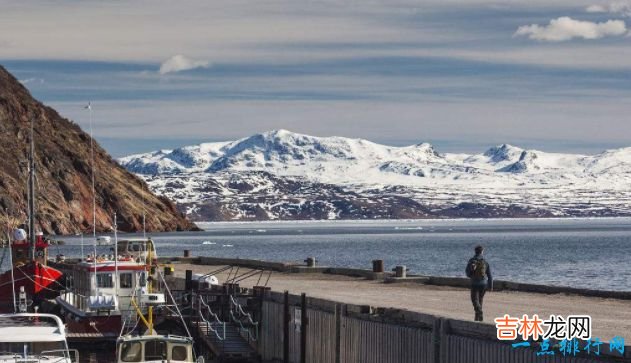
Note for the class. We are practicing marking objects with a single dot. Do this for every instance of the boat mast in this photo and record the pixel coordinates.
(31, 197)
(15, 306)
(96, 280)
(89, 107)
(116, 277)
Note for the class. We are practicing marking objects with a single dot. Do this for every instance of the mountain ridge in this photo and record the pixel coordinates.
(63, 171)
(252, 172)
(275, 145)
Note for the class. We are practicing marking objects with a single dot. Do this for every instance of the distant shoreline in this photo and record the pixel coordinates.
(420, 220)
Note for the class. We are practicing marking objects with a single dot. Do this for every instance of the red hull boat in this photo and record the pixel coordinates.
(39, 282)
(29, 280)
(34, 277)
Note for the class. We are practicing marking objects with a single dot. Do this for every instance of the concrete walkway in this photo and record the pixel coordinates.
(610, 317)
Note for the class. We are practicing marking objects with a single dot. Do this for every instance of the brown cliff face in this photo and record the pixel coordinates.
(63, 168)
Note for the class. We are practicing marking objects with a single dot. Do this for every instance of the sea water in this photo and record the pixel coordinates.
(583, 253)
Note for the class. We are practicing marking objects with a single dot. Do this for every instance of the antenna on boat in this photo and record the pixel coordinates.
(89, 108)
(31, 195)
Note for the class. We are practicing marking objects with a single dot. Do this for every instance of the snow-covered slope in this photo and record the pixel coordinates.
(270, 164)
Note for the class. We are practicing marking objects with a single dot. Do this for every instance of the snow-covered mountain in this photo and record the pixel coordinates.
(285, 175)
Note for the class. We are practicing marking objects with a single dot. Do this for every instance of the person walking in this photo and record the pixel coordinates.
(479, 271)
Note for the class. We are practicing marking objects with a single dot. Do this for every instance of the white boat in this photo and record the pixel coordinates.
(138, 249)
(99, 292)
(135, 346)
(103, 240)
(34, 338)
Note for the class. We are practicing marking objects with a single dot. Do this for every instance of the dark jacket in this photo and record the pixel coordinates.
(488, 281)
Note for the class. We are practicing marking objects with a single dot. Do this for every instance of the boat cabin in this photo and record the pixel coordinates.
(154, 348)
(137, 249)
(104, 291)
(34, 338)
(20, 248)
(92, 286)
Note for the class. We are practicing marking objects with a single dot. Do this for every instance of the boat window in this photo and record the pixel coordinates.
(126, 280)
(155, 350)
(131, 352)
(104, 280)
(178, 353)
(50, 349)
(142, 281)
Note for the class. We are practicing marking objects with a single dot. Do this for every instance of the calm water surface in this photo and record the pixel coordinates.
(587, 253)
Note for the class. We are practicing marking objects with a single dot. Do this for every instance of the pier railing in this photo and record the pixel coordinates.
(244, 320)
(210, 319)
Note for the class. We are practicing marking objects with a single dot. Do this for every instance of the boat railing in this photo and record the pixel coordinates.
(48, 356)
(63, 355)
(242, 316)
(216, 320)
(77, 300)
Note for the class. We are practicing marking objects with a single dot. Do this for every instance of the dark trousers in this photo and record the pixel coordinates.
(477, 298)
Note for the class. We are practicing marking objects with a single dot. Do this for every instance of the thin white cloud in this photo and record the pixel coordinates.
(32, 80)
(179, 63)
(618, 8)
(566, 28)
(596, 9)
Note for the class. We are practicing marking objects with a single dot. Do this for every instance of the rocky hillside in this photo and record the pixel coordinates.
(284, 175)
(64, 196)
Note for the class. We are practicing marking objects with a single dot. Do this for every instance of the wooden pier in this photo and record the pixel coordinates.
(292, 328)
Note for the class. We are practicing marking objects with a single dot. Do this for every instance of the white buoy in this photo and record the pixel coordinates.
(19, 234)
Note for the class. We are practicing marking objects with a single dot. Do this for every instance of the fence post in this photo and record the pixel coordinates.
(444, 330)
(304, 320)
(338, 333)
(188, 282)
(286, 317)
(436, 342)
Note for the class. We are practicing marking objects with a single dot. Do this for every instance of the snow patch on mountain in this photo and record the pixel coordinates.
(342, 160)
(323, 171)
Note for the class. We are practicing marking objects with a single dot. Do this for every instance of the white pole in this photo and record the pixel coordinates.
(116, 277)
(82, 253)
(96, 281)
(15, 309)
(93, 176)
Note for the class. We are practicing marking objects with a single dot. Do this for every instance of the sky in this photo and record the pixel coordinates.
(463, 75)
